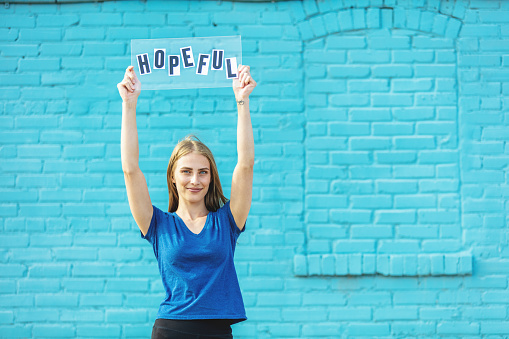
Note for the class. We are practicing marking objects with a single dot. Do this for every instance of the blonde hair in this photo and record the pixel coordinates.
(214, 198)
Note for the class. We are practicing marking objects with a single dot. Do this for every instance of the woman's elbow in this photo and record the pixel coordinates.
(247, 164)
(129, 169)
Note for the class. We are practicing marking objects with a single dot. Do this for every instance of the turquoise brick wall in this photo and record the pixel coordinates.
(380, 196)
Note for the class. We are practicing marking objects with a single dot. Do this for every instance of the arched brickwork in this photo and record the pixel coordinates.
(380, 72)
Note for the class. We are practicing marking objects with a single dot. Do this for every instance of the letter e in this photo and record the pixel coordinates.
(187, 57)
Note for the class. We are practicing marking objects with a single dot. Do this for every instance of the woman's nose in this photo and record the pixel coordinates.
(194, 179)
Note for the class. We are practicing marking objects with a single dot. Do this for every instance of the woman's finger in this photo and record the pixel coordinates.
(247, 80)
(128, 80)
(130, 76)
(128, 85)
(129, 73)
(242, 69)
(131, 79)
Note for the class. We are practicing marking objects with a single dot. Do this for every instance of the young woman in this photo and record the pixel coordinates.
(194, 241)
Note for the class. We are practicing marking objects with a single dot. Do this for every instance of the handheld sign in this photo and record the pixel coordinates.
(186, 62)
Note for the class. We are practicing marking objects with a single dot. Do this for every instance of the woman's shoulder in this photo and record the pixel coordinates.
(163, 215)
(223, 209)
(224, 213)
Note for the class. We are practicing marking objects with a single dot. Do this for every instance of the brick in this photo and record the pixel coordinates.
(371, 201)
(458, 327)
(493, 17)
(325, 86)
(13, 20)
(392, 43)
(469, 30)
(354, 246)
(434, 71)
(103, 49)
(133, 316)
(16, 331)
(349, 100)
(80, 33)
(331, 23)
(369, 232)
(370, 298)
(40, 34)
(394, 128)
(102, 331)
(494, 45)
(392, 71)
(272, 299)
(18, 50)
(100, 19)
(345, 20)
(6, 317)
(368, 85)
(349, 71)
(280, 46)
(271, 18)
(396, 313)
(9, 34)
(400, 85)
(391, 217)
(421, 56)
(321, 329)
(319, 299)
(383, 100)
(61, 20)
(494, 327)
(371, 114)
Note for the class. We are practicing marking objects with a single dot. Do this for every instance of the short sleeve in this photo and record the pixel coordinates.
(236, 231)
(152, 229)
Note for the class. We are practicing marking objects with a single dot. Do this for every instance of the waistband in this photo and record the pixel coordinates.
(198, 326)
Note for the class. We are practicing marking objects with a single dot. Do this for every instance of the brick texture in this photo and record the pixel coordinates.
(380, 192)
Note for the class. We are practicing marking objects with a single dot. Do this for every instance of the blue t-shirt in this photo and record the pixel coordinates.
(197, 270)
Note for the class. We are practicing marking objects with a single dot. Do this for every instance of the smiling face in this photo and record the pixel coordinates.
(192, 177)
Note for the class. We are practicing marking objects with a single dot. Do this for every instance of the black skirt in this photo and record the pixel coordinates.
(192, 329)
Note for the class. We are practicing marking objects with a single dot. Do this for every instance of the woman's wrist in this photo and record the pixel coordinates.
(242, 101)
(130, 105)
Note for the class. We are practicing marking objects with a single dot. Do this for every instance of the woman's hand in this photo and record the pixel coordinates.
(130, 87)
(244, 84)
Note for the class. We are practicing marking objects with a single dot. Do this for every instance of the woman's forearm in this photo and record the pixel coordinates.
(129, 138)
(245, 140)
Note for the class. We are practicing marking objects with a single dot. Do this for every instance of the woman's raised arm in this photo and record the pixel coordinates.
(136, 185)
(242, 181)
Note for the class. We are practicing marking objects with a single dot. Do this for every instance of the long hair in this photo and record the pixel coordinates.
(214, 198)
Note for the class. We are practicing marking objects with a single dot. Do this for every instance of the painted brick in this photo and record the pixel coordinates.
(40, 34)
(345, 20)
(99, 19)
(62, 20)
(373, 121)
(102, 331)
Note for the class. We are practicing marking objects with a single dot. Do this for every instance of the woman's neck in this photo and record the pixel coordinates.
(192, 211)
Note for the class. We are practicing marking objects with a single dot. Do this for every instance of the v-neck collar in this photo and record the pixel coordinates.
(189, 230)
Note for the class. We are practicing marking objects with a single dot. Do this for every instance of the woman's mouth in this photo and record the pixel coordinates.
(194, 190)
